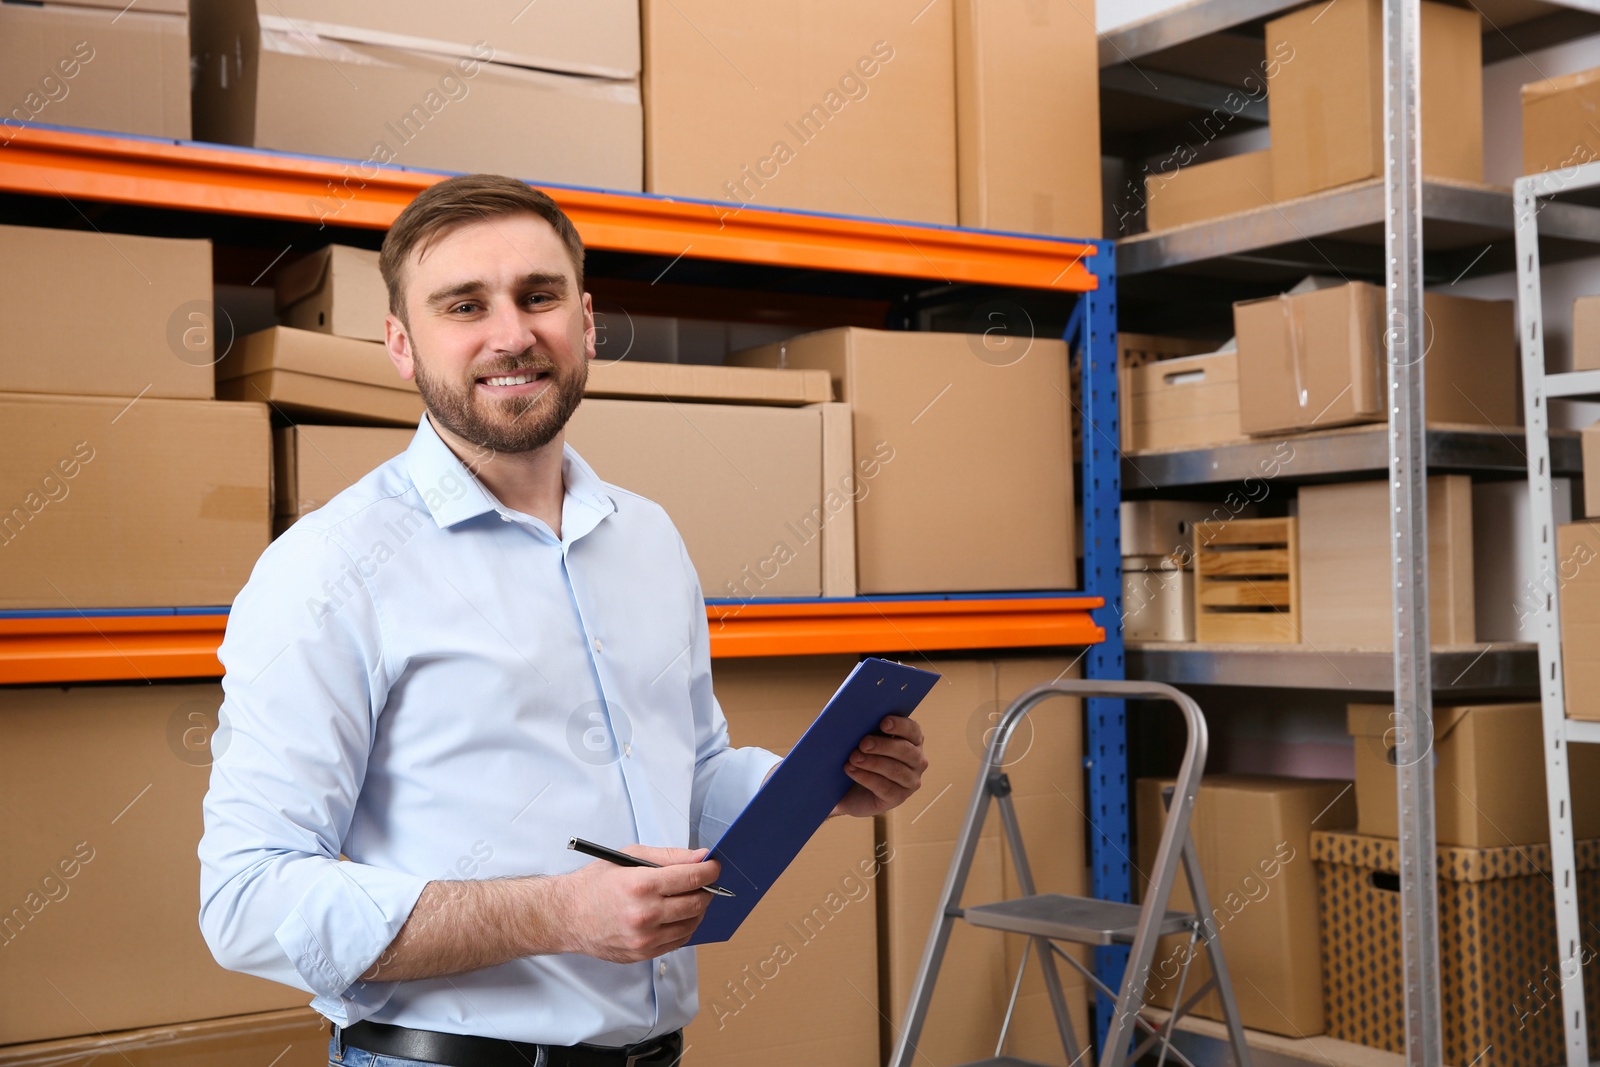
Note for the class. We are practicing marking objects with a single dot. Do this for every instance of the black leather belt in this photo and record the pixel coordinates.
(466, 1050)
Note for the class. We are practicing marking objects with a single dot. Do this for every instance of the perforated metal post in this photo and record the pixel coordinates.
(1106, 741)
(1546, 620)
(1408, 518)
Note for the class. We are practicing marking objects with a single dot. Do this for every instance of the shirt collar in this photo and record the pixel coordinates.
(453, 494)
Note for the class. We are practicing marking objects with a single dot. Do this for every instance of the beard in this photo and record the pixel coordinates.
(508, 424)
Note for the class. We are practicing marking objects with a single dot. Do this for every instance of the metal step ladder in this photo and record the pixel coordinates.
(1047, 918)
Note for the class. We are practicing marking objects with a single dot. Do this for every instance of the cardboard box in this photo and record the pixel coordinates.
(1209, 190)
(99, 66)
(1589, 438)
(1578, 580)
(1166, 527)
(1585, 332)
(1556, 122)
(1326, 117)
(111, 504)
(151, 329)
(1346, 590)
(1157, 600)
(823, 105)
(1500, 982)
(937, 418)
(318, 376)
(298, 1037)
(676, 381)
(1181, 403)
(916, 842)
(810, 947)
(1253, 836)
(595, 37)
(99, 883)
(1506, 592)
(313, 464)
(264, 82)
(1316, 359)
(336, 290)
(1027, 93)
(745, 485)
(1488, 768)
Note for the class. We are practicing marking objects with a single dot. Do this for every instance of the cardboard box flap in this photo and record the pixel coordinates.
(1377, 720)
(286, 38)
(340, 265)
(1455, 862)
(1534, 91)
(683, 381)
(309, 352)
(598, 38)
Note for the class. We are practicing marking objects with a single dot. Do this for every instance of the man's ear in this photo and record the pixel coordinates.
(397, 342)
(588, 328)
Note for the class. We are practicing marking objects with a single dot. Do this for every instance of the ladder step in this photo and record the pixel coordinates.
(1082, 920)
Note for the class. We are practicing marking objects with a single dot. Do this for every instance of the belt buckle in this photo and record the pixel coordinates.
(635, 1058)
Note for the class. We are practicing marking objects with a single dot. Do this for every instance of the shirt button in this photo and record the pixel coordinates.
(504, 517)
(661, 968)
(597, 645)
(627, 748)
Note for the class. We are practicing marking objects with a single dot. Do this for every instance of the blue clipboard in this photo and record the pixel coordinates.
(792, 804)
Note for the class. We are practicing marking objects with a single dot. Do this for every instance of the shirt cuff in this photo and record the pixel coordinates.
(738, 778)
(343, 923)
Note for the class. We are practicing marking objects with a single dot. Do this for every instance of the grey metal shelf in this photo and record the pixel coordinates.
(1457, 671)
(1346, 452)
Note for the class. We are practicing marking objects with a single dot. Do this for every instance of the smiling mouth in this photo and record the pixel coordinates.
(529, 377)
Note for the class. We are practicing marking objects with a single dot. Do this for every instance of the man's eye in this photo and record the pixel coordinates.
(464, 308)
(538, 299)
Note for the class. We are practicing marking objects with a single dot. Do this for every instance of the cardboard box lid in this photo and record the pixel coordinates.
(308, 352)
(640, 380)
(1540, 90)
(599, 38)
(1457, 863)
(1376, 720)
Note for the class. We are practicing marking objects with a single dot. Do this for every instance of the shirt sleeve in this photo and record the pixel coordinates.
(302, 690)
(725, 778)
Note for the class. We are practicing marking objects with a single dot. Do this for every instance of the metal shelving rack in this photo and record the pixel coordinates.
(1534, 195)
(1407, 232)
(903, 267)
(844, 265)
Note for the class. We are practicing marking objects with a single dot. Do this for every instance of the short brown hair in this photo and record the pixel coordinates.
(455, 202)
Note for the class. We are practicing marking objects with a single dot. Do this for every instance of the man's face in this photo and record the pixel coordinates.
(500, 338)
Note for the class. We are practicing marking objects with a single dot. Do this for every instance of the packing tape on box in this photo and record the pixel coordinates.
(1294, 335)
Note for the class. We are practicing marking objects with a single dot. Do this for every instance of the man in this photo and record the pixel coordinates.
(476, 652)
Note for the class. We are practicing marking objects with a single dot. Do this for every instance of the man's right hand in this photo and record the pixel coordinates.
(628, 914)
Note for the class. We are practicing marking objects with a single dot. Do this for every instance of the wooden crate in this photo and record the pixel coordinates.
(1181, 403)
(1247, 585)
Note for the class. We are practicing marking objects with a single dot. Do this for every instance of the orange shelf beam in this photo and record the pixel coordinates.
(901, 626)
(150, 647)
(188, 176)
(102, 648)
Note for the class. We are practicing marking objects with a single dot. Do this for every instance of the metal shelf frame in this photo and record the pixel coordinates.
(200, 179)
(1532, 196)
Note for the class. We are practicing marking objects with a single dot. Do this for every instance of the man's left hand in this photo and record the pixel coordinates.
(886, 768)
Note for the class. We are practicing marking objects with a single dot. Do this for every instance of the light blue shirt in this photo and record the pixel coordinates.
(438, 687)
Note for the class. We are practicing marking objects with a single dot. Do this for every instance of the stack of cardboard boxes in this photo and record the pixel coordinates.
(1309, 360)
(1500, 979)
(125, 485)
(1322, 78)
(892, 111)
